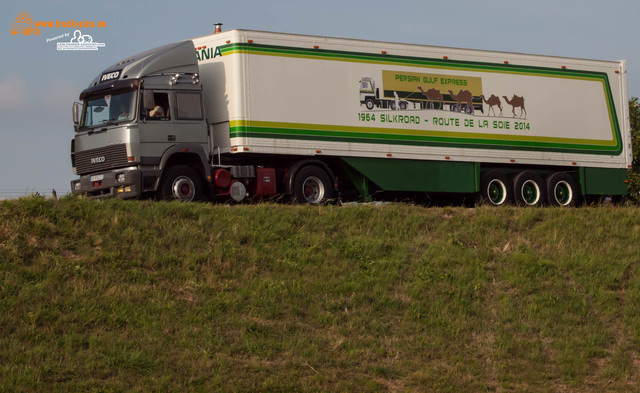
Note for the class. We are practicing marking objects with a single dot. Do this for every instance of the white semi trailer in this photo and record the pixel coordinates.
(249, 113)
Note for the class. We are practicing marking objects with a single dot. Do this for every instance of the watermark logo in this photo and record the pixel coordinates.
(24, 25)
(80, 41)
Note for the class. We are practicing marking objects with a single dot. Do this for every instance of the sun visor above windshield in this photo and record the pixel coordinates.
(113, 85)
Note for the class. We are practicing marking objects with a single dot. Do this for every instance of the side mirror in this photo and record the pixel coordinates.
(77, 107)
(147, 100)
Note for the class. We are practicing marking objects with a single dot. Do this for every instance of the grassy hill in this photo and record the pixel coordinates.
(146, 296)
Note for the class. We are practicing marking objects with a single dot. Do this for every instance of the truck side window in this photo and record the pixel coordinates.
(160, 110)
(188, 106)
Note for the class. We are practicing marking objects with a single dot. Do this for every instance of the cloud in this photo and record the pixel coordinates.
(13, 94)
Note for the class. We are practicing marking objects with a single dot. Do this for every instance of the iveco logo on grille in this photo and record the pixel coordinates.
(109, 157)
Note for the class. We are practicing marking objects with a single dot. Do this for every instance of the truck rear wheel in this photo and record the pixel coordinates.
(312, 185)
(181, 183)
(528, 189)
(495, 188)
(562, 190)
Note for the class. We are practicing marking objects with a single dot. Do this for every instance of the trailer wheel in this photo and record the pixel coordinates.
(403, 105)
(312, 185)
(528, 189)
(562, 190)
(181, 183)
(496, 188)
(369, 103)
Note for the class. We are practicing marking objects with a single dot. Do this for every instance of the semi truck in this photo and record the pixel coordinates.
(252, 114)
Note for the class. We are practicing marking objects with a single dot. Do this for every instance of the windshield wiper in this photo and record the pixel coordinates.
(94, 130)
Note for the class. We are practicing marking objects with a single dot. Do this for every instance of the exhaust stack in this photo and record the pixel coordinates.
(218, 27)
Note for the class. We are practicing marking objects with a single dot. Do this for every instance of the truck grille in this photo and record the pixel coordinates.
(91, 161)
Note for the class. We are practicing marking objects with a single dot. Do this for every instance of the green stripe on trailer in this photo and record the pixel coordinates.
(334, 133)
(418, 176)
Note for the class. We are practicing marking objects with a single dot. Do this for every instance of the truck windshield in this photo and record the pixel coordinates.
(109, 109)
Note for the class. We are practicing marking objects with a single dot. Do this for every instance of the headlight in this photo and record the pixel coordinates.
(120, 178)
(77, 186)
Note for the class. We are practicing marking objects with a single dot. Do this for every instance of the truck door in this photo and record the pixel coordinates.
(157, 129)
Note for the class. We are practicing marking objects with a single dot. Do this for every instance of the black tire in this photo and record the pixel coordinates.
(312, 185)
(529, 189)
(403, 105)
(496, 189)
(181, 183)
(369, 103)
(562, 190)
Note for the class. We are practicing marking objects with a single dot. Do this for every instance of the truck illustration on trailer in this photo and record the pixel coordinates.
(225, 116)
(407, 91)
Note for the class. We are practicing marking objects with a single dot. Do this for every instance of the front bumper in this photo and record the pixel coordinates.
(121, 183)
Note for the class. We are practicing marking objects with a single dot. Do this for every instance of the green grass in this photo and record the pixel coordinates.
(140, 296)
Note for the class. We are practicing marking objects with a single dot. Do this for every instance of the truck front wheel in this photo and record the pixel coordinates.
(312, 185)
(369, 103)
(181, 183)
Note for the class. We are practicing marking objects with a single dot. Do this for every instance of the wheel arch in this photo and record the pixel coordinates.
(295, 168)
(192, 156)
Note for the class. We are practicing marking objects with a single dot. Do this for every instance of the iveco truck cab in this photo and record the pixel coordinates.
(138, 117)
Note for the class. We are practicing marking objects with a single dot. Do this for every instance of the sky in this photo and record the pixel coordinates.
(38, 83)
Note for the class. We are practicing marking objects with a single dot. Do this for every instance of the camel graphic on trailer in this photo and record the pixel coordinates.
(492, 101)
(433, 95)
(463, 97)
(516, 102)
